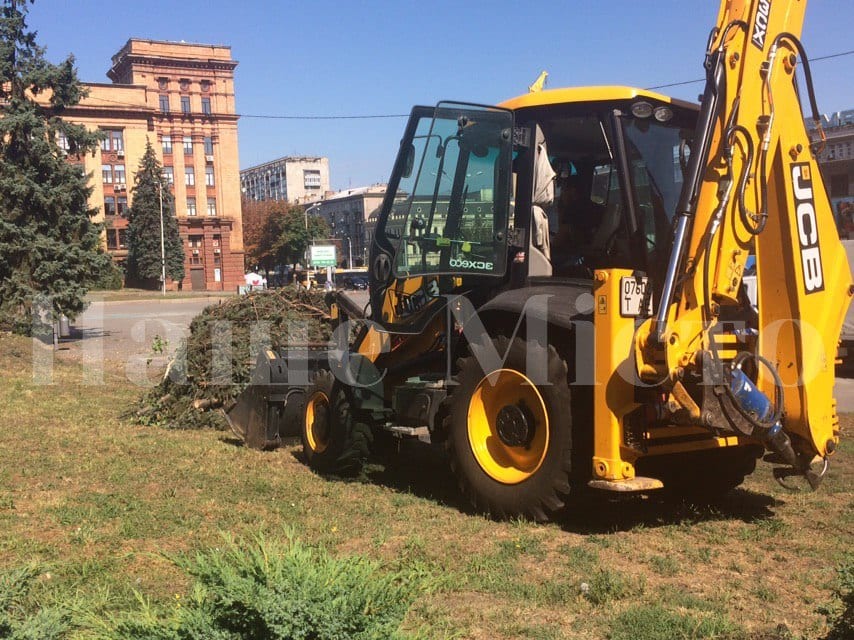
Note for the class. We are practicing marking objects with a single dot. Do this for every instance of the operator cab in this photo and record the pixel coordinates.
(618, 167)
(553, 184)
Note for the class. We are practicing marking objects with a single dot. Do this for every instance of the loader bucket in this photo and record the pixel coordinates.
(264, 416)
(270, 409)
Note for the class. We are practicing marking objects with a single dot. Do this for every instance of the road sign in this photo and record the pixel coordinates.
(323, 255)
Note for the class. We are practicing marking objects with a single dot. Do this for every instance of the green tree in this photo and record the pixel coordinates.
(144, 251)
(49, 247)
(286, 236)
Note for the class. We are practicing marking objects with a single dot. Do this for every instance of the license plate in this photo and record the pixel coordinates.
(632, 294)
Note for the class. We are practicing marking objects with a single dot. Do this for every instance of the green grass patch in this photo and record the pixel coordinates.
(607, 585)
(103, 505)
(655, 622)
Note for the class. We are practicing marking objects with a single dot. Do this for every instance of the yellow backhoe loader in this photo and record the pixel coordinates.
(556, 291)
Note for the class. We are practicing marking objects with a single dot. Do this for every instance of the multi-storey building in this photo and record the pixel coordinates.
(292, 179)
(347, 213)
(178, 97)
(837, 166)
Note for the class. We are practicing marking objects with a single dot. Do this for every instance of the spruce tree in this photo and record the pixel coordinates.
(144, 256)
(49, 247)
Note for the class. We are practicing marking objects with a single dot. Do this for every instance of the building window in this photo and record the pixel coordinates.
(195, 243)
(211, 206)
(189, 177)
(119, 172)
(169, 175)
(123, 238)
(112, 239)
(109, 206)
(191, 206)
(113, 140)
(167, 144)
(164, 104)
(206, 106)
(311, 178)
(208, 146)
(62, 141)
(209, 176)
(107, 173)
(188, 145)
(185, 104)
(121, 206)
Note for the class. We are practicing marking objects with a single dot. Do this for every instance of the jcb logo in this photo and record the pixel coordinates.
(760, 23)
(807, 228)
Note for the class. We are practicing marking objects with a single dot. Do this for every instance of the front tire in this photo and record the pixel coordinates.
(510, 440)
(332, 442)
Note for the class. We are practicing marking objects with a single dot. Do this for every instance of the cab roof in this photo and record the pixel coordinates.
(588, 94)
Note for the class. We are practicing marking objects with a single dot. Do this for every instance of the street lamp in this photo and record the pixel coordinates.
(349, 253)
(305, 213)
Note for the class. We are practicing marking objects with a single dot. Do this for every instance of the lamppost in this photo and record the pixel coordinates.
(305, 212)
(162, 239)
(349, 253)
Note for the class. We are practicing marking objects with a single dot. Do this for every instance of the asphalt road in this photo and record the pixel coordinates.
(123, 334)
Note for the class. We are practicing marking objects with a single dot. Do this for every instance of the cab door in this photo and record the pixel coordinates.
(444, 221)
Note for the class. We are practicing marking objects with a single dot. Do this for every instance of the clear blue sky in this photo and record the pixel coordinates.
(371, 57)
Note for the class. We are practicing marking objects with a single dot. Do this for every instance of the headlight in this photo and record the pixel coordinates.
(641, 109)
(663, 114)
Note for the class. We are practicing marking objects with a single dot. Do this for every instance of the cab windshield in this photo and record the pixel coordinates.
(449, 213)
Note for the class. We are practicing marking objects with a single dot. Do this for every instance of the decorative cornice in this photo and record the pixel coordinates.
(127, 61)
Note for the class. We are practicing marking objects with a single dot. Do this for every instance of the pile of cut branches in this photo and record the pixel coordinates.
(213, 365)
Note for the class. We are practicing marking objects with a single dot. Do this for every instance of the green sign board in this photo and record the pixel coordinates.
(323, 255)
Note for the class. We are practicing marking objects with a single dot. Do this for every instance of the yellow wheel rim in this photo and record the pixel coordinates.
(316, 420)
(508, 426)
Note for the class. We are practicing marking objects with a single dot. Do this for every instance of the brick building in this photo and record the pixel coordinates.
(180, 97)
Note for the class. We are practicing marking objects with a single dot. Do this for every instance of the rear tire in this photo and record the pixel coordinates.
(332, 441)
(509, 440)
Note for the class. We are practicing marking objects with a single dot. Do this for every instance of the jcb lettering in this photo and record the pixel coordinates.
(760, 23)
(813, 279)
(806, 224)
(802, 193)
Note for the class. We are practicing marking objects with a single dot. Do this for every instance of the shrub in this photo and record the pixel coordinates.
(112, 278)
(271, 590)
(18, 621)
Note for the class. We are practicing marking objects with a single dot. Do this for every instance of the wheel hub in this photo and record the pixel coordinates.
(515, 425)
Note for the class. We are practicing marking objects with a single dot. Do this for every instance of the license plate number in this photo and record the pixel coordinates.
(632, 294)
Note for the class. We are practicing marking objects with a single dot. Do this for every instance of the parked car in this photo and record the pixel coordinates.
(355, 283)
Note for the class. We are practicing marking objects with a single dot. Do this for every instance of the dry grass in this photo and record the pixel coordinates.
(97, 502)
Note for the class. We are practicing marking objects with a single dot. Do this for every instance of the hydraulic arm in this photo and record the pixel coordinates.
(752, 187)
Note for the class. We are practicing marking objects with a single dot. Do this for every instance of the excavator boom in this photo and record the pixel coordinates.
(753, 188)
